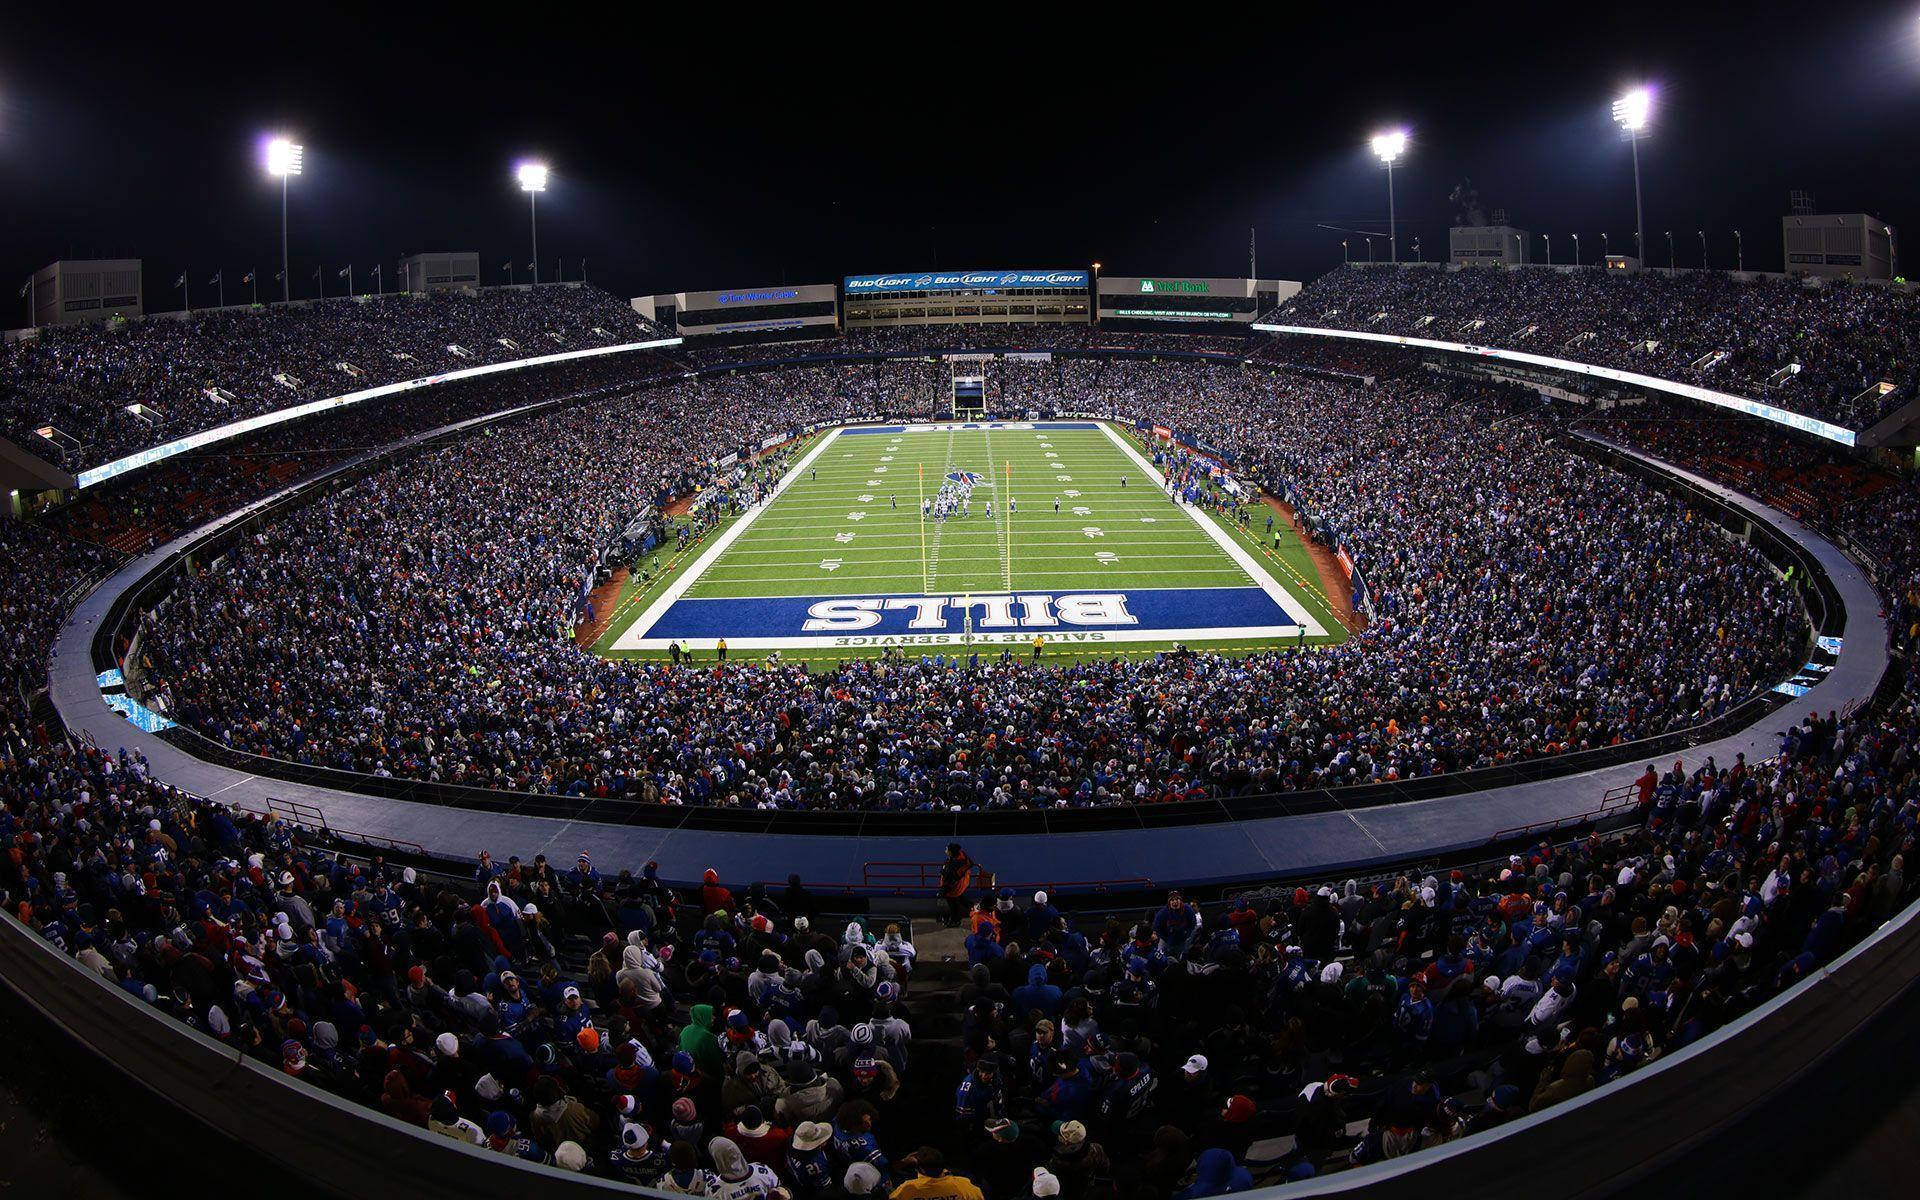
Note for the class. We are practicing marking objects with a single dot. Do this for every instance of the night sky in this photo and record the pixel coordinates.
(800, 146)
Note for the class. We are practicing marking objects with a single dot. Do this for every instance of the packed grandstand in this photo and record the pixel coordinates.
(652, 1022)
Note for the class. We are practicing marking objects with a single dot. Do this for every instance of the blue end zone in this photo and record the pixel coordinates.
(1224, 612)
(963, 426)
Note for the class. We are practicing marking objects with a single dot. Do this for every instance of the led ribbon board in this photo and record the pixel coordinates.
(1752, 408)
(220, 433)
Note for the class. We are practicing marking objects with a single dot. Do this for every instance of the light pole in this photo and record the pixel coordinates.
(1739, 253)
(1605, 249)
(533, 181)
(1369, 251)
(1670, 266)
(1703, 248)
(1343, 251)
(1576, 249)
(1548, 239)
(285, 158)
(1633, 111)
(1389, 146)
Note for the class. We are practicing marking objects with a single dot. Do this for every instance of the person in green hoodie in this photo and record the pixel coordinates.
(697, 1039)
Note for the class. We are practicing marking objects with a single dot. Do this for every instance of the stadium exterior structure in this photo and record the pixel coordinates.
(1601, 1143)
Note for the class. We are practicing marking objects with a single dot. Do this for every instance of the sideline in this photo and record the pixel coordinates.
(1262, 579)
(633, 636)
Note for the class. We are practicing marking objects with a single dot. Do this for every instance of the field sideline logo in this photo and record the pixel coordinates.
(1038, 610)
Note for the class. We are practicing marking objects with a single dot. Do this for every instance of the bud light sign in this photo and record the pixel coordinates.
(957, 281)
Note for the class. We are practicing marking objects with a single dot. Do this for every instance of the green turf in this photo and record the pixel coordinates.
(851, 525)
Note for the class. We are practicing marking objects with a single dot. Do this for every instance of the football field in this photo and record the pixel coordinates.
(983, 535)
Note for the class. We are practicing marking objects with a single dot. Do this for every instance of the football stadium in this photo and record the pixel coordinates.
(1414, 703)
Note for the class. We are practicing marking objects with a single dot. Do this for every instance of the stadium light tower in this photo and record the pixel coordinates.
(285, 158)
(1633, 111)
(533, 181)
(1576, 249)
(1389, 146)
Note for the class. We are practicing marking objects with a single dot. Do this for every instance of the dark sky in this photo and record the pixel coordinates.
(820, 140)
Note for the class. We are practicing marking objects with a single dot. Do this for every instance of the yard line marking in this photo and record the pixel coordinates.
(678, 588)
(1238, 553)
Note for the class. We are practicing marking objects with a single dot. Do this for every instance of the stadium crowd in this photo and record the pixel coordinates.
(1840, 339)
(1528, 604)
(738, 1042)
(83, 379)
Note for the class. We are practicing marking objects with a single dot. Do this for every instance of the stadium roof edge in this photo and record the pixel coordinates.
(1752, 408)
(207, 437)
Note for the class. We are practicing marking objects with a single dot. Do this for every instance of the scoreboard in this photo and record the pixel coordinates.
(1040, 296)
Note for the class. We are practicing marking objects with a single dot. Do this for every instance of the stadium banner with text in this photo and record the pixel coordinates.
(1752, 408)
(207, 437)
(756, 297)
(960, 281)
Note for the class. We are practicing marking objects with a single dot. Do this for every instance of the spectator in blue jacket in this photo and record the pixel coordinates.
(1175, 924)
(1038, 995)
(1216, 1174)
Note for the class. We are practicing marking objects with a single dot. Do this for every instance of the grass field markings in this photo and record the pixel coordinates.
(1222, 538)
(1326, 603)
(805, 545)
(1135, 544)
(641, 591)
(930, 553)
(892, 571)
(727, 537)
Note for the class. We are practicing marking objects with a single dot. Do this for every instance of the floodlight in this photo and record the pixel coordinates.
(284, 157)
(1634, 109)
(533, 177)
(1387, 147)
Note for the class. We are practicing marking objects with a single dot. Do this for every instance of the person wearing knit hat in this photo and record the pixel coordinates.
(445, 1120)
(1045, 1183)
(758, 1138)
(638, 1158)
(570, 1156)
(503, 1137)
(684, 1124)
(862, 1179)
